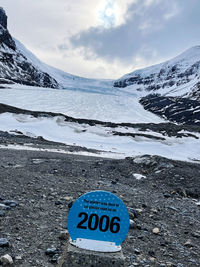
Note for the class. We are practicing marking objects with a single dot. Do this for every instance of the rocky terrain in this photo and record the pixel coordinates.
(177, 109)
(38, 187)
(40, 179)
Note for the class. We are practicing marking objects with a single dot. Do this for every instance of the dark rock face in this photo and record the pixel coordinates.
(195, 93)
(175, 109)
(6, 39)
(170, 89)
(165, 78)
(15, 67)
(3, 18)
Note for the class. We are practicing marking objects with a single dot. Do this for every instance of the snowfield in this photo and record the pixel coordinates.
(98, 100)
(113, 105)
(101, 138)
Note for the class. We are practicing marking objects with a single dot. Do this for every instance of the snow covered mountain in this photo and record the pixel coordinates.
(14, 66)
(179, 76)
(170, 89)
(19, 65)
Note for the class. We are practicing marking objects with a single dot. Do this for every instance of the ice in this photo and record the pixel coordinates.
(100, 138)
(114, 107)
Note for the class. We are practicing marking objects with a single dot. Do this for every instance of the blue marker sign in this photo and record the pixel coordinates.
(100, 216)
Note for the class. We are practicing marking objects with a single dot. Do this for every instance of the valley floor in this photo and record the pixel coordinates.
(44, 184)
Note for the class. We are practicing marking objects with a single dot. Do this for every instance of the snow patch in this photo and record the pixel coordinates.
(138, 176)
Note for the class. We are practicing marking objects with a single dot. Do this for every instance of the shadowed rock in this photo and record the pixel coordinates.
(3, 18)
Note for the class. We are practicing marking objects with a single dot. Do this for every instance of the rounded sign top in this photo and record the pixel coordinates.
(100, 216)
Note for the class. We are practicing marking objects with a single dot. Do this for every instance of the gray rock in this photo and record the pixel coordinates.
(165, 165)
(4, 207)
(6, 260)
(132, 224)
(2, 213)
(10, 203)
(51, 251)
(4, 242)
(64, 235)
(58, 202)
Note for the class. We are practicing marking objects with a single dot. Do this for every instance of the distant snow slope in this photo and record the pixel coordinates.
(65, 79)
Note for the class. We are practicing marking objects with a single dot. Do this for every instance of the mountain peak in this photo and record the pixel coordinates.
(3, 18)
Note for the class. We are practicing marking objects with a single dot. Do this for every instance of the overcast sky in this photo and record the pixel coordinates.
(104, 38)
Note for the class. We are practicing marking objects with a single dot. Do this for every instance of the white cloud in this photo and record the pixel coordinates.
(110, 45)
(174, 10)
(45, 24)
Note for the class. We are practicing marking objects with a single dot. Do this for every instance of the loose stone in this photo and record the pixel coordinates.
(132, 224)
(2, 213)
(51, 251)
(10, 203)
(6, 260)
(156, 230)
(64, 235)
(4, 242)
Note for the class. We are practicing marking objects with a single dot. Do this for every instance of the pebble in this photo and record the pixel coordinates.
(138, 176)
(4, 207)
(10, 203)
(156, 230)
(58, 202)
(188, 244)
(132, 224)
(132, 213)
(64, 235)
(4, 242)
(198, 203)
(18, 258)
(6, 260)
(54, 259)
(67, 198)
(2, 213)
(136, 251)
(51, 251)
(167, 195)
(169, 264)
(157, 172)
(152, 259)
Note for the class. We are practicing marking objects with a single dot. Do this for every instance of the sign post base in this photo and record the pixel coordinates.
(95, 245)
(77, 257)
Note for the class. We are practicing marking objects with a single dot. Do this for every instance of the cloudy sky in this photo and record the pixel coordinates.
(104, 38)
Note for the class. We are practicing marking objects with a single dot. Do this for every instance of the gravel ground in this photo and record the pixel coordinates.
(42, 186)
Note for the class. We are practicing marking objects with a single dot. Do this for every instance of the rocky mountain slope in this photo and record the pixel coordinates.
(19, 65)
(14, 66)
(178, 76)
(170, 89)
